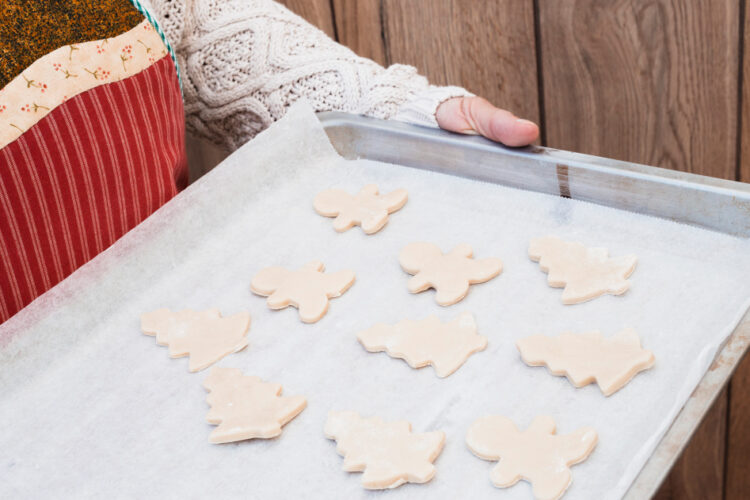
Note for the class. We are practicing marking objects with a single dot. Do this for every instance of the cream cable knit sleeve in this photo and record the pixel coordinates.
(243, 62)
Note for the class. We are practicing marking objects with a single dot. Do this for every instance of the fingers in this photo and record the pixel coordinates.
(468, 115)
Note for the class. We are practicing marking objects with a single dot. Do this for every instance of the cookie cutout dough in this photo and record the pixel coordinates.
(589, 357)
(537, 454)
(388, 452)
(586, 273)
(367, 209)
(308, 288)
(203, 335)
(449, 274)
(246, 407)
(445, 346)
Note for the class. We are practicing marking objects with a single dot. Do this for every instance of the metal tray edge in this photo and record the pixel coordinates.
(331, 119)
(715, 204)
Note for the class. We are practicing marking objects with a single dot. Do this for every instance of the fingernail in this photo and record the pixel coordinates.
(525, 122)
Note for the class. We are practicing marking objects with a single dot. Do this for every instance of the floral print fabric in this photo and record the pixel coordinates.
(30, 29)
(67, 71)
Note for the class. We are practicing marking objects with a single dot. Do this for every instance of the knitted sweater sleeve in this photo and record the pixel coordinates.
(243, 62)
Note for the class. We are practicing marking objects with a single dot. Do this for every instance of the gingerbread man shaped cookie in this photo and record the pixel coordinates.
(367, 208)
(537, 454)
(308, 289)
(449, 274)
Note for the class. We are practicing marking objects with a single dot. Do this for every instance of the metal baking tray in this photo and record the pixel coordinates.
(714, 204)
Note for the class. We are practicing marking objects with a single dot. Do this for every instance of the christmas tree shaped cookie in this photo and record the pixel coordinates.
(388, 452)
(203, 335)
(367, 209)
(449, 274)
(246, 407)
(588, 357)
(537, 454)
(586, 273)
(445, 346)
(308, 289)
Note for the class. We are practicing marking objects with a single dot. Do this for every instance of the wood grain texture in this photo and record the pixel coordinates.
(486, 47)
(699, 472)
(317, 12)
(650, 81)
(743, 173)
(359, 27)
(737, 483)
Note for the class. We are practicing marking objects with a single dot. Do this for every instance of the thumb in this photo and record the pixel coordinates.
(468, 115)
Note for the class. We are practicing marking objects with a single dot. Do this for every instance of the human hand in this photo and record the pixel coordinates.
(475, 115)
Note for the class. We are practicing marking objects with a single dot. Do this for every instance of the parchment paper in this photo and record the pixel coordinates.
(91, 407)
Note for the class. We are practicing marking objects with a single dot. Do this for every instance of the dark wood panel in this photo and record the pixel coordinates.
(359, 27)
(650, 81)
(743, 173)
(486, 47)
(737, 482)
(744, 163)
(738, 441)
(318, 12)
(699, 473)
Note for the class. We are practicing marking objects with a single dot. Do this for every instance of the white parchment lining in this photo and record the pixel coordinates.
(92, 407)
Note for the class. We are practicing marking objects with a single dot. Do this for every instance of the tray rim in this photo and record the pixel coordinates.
(678, 435)
(331, 119)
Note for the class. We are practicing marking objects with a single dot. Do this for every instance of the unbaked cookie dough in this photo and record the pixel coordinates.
(537, 454)
(388, 452)
(246, 407)
(308, 289)
(586, 273)
(449, 274)
(445, 346)
(367, 208)
(203, 335)
(588, 357)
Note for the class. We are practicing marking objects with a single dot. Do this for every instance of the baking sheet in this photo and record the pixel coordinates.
(92, 407)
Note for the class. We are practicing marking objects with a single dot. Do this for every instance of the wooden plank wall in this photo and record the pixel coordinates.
(650, 81)
(737, 478)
